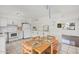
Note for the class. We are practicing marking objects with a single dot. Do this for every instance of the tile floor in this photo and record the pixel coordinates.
(14, 48)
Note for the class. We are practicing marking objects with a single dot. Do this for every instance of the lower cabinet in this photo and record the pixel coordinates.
(2, 45)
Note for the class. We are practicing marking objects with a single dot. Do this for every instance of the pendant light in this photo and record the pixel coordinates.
(49, 11)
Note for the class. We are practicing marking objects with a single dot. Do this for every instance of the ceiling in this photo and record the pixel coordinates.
(38, 11)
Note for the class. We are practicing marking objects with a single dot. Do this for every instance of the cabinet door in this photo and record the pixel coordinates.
(2, 45)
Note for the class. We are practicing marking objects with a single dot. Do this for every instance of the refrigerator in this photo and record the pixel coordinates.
(26, 27)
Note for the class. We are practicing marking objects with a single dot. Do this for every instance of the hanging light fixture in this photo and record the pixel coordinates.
(49, 11)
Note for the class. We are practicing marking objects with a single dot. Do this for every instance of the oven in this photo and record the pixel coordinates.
(13, 35)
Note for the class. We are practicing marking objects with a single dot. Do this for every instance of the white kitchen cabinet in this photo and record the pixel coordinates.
(64, 47)
(72, 50)
(11, 28)
(2, 45)
(77, 49)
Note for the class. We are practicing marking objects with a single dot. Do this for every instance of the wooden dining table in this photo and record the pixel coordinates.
(40, 49)
(38, 46)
